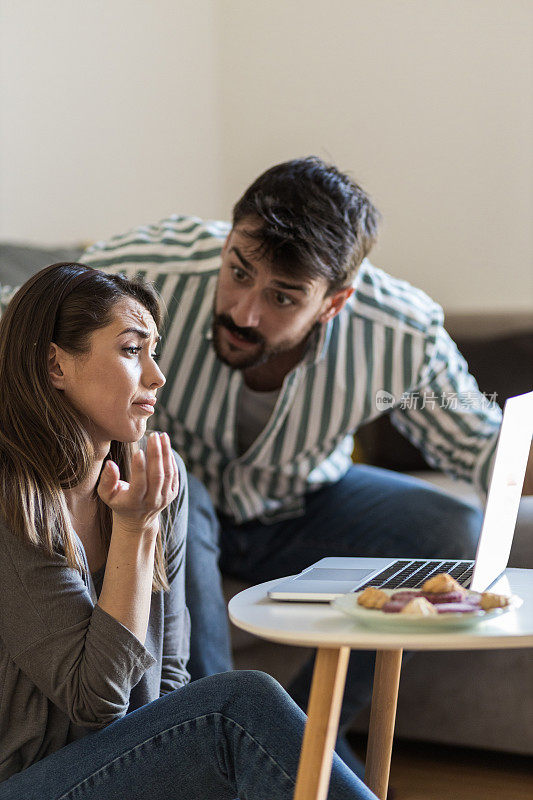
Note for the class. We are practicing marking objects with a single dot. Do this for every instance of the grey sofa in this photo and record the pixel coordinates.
(473, 698)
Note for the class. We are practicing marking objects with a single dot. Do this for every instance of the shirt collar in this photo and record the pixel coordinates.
(317, 350)
(318, 343)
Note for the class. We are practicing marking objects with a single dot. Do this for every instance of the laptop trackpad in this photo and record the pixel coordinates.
(354, 576)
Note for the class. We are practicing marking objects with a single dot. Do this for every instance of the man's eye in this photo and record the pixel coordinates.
(133, 350)
(239, 274)
(156, 356)
(283, 299)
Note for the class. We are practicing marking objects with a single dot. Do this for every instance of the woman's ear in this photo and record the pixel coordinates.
(55, 357)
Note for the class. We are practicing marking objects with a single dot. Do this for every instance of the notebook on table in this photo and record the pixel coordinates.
(333, 576)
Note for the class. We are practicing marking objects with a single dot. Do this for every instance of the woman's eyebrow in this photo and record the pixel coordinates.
(142, 332)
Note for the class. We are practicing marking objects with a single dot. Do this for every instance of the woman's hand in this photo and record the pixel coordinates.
(154, 484)
(127, 588)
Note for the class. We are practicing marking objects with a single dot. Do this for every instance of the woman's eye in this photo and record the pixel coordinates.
(134, 350)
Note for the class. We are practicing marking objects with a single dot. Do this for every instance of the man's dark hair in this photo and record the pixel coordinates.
(313, 220)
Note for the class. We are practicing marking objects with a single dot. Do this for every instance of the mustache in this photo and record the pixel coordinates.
(249, 334)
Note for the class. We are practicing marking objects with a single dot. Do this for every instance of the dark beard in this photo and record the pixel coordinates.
(261, 356)
(249, 335)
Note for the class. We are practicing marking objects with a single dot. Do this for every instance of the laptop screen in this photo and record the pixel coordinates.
(505, 491)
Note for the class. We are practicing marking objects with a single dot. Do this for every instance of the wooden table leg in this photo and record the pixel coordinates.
(382, 719)
(329, 677)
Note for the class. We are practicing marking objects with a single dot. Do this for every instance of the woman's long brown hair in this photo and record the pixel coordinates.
(44, 447)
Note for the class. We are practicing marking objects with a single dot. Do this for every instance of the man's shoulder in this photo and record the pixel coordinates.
(178, 243)
(389, 301)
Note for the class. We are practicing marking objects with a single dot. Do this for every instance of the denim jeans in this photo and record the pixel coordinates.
(232, 735)
(370, 512)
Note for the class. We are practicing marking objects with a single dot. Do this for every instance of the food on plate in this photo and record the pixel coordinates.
(394, 606)
(406, 594)
(490, 600)
(443, 588)
(419, 607)
(420, 610)
(442, 584)
(372, 598)
(441, 594)
(455, 596)
(467, 606)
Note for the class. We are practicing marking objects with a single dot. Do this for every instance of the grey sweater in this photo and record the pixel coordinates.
(66, 666)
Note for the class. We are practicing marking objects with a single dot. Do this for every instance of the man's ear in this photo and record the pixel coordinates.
(335, 303)
(55, 357)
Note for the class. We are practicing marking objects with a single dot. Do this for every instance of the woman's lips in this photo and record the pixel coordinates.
(149, 409)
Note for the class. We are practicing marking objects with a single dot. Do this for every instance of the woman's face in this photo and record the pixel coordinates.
(114, 387)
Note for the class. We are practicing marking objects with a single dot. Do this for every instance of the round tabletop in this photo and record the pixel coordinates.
(321, 625)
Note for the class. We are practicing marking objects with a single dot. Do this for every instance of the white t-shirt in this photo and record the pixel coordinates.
(254, 409)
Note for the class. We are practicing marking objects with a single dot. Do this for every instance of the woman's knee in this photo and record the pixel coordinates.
(252, 692)
(251, 682)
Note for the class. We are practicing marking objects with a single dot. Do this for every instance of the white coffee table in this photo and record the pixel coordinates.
(334, 634)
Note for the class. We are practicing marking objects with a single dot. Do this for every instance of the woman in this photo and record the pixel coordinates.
(93, 624)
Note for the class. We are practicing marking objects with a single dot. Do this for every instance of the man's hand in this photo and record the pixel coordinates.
(154, 484)
(528, 480)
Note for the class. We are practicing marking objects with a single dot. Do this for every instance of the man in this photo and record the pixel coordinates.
(282, 341)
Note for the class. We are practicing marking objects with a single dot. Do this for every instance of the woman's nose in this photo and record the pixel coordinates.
(153, 376)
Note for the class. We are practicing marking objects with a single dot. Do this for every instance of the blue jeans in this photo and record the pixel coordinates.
(370, 512)
(232, 735)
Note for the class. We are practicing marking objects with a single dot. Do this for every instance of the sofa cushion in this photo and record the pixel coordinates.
(19, 261)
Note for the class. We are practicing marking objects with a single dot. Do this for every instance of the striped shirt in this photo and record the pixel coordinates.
(386, 350)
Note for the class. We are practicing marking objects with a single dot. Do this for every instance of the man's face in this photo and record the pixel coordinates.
(260, 313)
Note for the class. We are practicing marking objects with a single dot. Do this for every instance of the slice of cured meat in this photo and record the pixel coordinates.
(406, 594)
(445, 597)
(394, 606)
(464, 607)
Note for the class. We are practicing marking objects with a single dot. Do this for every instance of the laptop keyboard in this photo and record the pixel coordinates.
(411, 574)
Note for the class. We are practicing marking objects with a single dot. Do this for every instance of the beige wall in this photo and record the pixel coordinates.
(109, 115)
(429, 103)
(116, 113)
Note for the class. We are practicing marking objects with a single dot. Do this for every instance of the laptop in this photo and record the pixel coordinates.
(331, 577)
